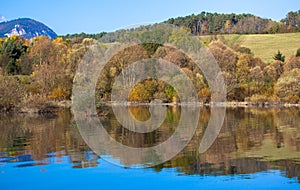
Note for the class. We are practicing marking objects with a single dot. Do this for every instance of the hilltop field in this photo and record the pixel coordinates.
(263, 46)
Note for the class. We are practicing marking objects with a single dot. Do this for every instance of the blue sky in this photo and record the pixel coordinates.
(93, 16)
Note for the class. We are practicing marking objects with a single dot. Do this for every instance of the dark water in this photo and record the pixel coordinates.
(256, 149)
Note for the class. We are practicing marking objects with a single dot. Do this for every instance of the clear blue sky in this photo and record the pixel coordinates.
(93, 16)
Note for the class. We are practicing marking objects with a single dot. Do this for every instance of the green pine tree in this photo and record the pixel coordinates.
(298, 52)
(279, 56)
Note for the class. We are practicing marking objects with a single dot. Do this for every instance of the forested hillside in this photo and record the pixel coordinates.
(214, 23)
(207, 23)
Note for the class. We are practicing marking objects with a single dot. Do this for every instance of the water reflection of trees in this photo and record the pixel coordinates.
(27, 138)
(251, 140)
(240, 147)
(133, 139)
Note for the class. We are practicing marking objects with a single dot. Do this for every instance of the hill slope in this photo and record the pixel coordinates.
(25, 27)
(265, 45)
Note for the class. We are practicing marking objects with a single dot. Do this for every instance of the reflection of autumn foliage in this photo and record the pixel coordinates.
(140, 113)
(244, 130)
(239, 148)
(42, 136)
(133, 139)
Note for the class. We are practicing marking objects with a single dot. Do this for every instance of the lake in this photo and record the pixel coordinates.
(256, 148)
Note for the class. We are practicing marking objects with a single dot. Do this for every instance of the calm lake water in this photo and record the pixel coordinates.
(257, 148)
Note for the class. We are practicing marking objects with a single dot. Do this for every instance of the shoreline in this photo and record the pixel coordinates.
(210, 104)
(55, 107)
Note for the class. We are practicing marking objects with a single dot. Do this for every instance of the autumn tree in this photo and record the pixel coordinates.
(258, 83)
(43, 51)
(143, 92)
(49, 76)
(273, 71)
(292, 21)
(4, 59)
(292, 63)
(115, 67)
(11, 93)
(227, 59)
(288, 85)
(225, 56)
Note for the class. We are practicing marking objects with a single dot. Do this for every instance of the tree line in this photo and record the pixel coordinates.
(36, 72)
(207, 23)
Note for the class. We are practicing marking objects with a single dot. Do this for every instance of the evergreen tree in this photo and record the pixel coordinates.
(13, 47)
(298, 52)
(279, 56)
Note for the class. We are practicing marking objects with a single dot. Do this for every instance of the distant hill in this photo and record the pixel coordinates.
(207, 23)
(2, 18)
(25, 27)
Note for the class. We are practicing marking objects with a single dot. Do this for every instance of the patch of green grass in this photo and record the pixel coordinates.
(234, 38)
(265, 46)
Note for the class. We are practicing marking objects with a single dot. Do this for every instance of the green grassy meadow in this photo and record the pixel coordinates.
(264, 45)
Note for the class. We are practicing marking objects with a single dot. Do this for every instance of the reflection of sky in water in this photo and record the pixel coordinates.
(106, 175)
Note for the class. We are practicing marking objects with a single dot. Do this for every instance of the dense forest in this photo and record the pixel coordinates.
(214, 23)
(207, 23)
(37, 73)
